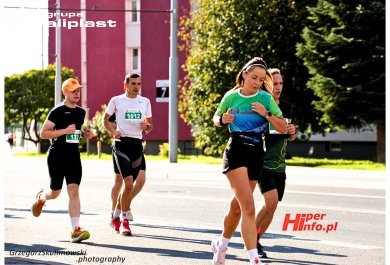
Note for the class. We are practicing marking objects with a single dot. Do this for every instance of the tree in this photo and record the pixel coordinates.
(344, 50)
(101, 134)
(28, 97)
(219, 38)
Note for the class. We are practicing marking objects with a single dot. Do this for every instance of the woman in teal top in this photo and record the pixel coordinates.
(246, 110)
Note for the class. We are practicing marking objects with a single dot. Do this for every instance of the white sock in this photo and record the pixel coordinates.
(125, 216)
(223, 242)
(117, 214)
(42, 195)
(75, 222)
(252, 254)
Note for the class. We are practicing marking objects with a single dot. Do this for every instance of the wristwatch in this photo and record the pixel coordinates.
(221, 122)
(268, 114)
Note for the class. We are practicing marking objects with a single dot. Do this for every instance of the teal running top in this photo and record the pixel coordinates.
(245, 119)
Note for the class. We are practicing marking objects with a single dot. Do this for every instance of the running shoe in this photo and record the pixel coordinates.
(130, 216)
(256, 261)
(262, 253)
(219, 254)
(125, 228)
(36, 208)
(115, 223)
(79, 234)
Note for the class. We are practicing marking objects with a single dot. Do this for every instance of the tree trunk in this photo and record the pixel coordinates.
(381, 141)
(99, 148)
(23, 135)
(38, 145)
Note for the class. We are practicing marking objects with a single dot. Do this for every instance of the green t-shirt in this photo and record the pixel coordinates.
(276, 144)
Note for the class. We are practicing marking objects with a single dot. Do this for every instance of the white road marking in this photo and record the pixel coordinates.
(336, 194)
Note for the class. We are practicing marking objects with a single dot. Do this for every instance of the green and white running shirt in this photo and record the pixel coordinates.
(276, 144)
(245, 119)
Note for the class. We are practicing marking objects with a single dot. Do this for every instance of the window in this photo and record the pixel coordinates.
(134, 14)
(135, 59)
(335, 146)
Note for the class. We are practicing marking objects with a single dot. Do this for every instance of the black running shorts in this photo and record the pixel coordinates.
(270, 180)
(62, 165)
(128, 156)
(243, 154)
(116, 169)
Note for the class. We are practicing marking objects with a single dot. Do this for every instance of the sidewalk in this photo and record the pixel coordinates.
(296, 175)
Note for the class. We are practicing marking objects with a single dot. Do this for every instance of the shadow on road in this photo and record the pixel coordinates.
(11, 247)
(284, 249)
(190, 230)
(22, 261)
(297, 262)
(178, 253)
(45, 250)
(275, 248)
(207, 255)
(184, 229)
(43, 211)
(12, 216)
(199, 255)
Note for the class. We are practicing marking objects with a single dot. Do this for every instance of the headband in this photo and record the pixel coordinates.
(256, 64)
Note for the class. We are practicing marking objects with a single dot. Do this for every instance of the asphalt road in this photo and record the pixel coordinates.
(181, 210)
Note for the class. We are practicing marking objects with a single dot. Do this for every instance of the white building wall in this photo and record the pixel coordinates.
(133, 36)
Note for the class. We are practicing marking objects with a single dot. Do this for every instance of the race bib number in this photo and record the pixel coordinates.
(133, 115)
(73, 138)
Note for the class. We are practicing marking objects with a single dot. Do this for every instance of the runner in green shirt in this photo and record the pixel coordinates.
(272, 181)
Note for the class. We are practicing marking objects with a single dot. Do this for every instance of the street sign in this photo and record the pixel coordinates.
(162, 90)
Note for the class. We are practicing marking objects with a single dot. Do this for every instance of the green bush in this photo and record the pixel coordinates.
(98, 129)
(164, 150)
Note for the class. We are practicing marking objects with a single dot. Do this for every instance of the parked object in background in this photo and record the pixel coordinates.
(10, 140)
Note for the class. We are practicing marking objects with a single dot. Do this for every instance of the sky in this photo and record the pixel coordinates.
(22, 30)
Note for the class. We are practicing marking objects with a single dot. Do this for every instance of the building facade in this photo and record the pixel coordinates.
(345, 144)
(119, 37)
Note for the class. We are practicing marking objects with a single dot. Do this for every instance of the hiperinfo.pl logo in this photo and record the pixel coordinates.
(308, 222)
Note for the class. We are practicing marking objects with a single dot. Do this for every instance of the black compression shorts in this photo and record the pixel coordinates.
(62, 165)
(128, 156)
(270, 180)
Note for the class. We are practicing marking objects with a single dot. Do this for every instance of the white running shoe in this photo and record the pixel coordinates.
(219, 254)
